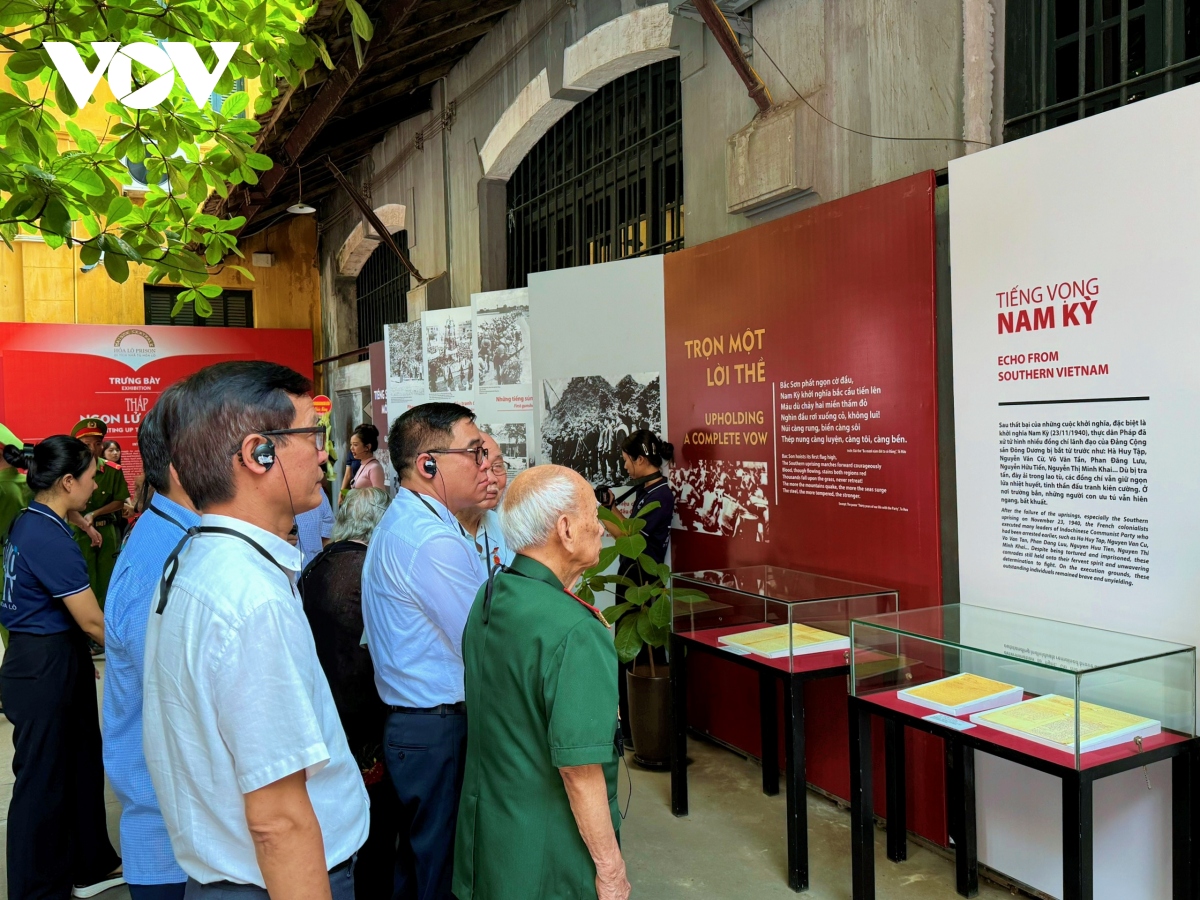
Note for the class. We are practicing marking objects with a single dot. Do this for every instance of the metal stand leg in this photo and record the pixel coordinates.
(768, 714)
(897, 797)
(1185, 791)
(1077, 836)
(862, 812)
(797, 786)
(679, 785)
(960, 799)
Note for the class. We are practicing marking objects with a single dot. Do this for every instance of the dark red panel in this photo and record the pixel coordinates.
(844, 294)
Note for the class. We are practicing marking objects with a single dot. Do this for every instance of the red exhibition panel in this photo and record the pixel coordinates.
(802, 401)
(51, 376)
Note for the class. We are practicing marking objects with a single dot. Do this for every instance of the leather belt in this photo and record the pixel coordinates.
(445, 709)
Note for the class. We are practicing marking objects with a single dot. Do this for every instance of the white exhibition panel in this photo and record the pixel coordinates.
(604, 320)
(1075, 272)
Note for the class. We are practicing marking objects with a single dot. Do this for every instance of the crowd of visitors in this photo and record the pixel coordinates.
(286, 692)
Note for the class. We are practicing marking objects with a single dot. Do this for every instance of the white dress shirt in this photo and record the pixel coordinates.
(235, 699)
(419, 580)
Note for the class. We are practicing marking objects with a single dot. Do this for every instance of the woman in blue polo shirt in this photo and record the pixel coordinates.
(57, 833)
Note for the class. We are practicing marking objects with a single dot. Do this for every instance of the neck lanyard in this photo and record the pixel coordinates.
(162, 515)
(429, 507)
(171, 567)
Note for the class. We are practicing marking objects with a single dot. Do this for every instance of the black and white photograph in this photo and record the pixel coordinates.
(513, 438)
(404, 351)
(448, 353)
(406, 386)
(502, 354)
(722, 497)
(585, 419)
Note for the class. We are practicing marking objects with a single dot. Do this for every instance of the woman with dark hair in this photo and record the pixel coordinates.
(331, 590)
(111, 450)
(643, 455)
(363, 444)
(57, 832)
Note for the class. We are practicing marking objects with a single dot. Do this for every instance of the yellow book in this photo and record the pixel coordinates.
(772, 642)
(1050, 720)
(960, 695)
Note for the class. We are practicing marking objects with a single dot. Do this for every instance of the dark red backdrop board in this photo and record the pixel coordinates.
(815, 447)
(51, 376)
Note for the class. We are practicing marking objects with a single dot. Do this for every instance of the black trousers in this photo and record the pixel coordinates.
(57, 832)
(375, 871)
(426, 755)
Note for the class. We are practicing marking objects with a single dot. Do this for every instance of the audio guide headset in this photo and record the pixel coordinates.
(264, 454)
(429, 467)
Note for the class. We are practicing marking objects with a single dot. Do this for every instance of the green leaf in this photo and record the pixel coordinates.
(259, 161)
(322, 50)
(660, 612)
(117, 267)
(613, 613)
(63, 97)
(203, 307)
(607, 556)
(358, 17)
(631, 545)
(113, 244)
(628, 642)
(654, 635)
(209, 290)
(55, 217)
(607, 515)
(89, 254)
(648, 508)
(119, 209)
(30, 62)
(234, 104)
(243, 271)
(180, 299)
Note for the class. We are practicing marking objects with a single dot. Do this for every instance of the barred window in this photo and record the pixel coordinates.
(1068, 59)
(605, 182)
(382, 286)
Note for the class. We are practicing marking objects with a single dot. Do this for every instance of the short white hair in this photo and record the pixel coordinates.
(529, 517)
(359, 513)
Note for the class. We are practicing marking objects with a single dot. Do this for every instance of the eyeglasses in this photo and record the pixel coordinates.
(480, 453)
(317, 431)
(499, 467)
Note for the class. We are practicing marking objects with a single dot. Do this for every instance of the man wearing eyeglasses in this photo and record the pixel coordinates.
(481, 522)
(419, 580)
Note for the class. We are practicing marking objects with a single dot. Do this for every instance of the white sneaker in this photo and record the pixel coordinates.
(109, 882)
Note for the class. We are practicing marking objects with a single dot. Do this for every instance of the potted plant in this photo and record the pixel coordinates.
(643, 620)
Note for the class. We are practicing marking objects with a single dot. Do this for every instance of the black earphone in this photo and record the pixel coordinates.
(264, 453)
(429, 467)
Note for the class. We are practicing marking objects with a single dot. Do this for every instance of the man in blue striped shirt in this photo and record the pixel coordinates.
(150, 867)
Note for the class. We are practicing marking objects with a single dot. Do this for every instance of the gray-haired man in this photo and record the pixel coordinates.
(542, 693)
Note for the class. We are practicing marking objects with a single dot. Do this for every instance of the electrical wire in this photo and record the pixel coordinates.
(877, 137)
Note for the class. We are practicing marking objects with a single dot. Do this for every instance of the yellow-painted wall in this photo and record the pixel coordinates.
(38, 284)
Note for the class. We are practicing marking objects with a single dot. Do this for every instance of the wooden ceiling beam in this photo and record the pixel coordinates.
(392, 16)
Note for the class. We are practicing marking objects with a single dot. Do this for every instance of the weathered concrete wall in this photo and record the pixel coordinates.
(886, 67)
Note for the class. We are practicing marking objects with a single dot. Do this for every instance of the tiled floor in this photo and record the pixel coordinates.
(731, 846)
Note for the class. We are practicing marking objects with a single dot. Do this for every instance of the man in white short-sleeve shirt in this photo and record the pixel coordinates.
(257, 784)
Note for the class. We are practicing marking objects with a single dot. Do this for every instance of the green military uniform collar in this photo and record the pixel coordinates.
(11, 474)
(531, 568)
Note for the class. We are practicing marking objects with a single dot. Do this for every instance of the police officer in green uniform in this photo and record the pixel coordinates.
(102, 509)
(538, 818)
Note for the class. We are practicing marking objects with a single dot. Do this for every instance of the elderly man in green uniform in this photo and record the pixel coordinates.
(101, 513)
(538, 816)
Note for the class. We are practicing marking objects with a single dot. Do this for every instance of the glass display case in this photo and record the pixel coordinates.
(780, 617)
(1078, 703)
(788, 628)
(1068, 694)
